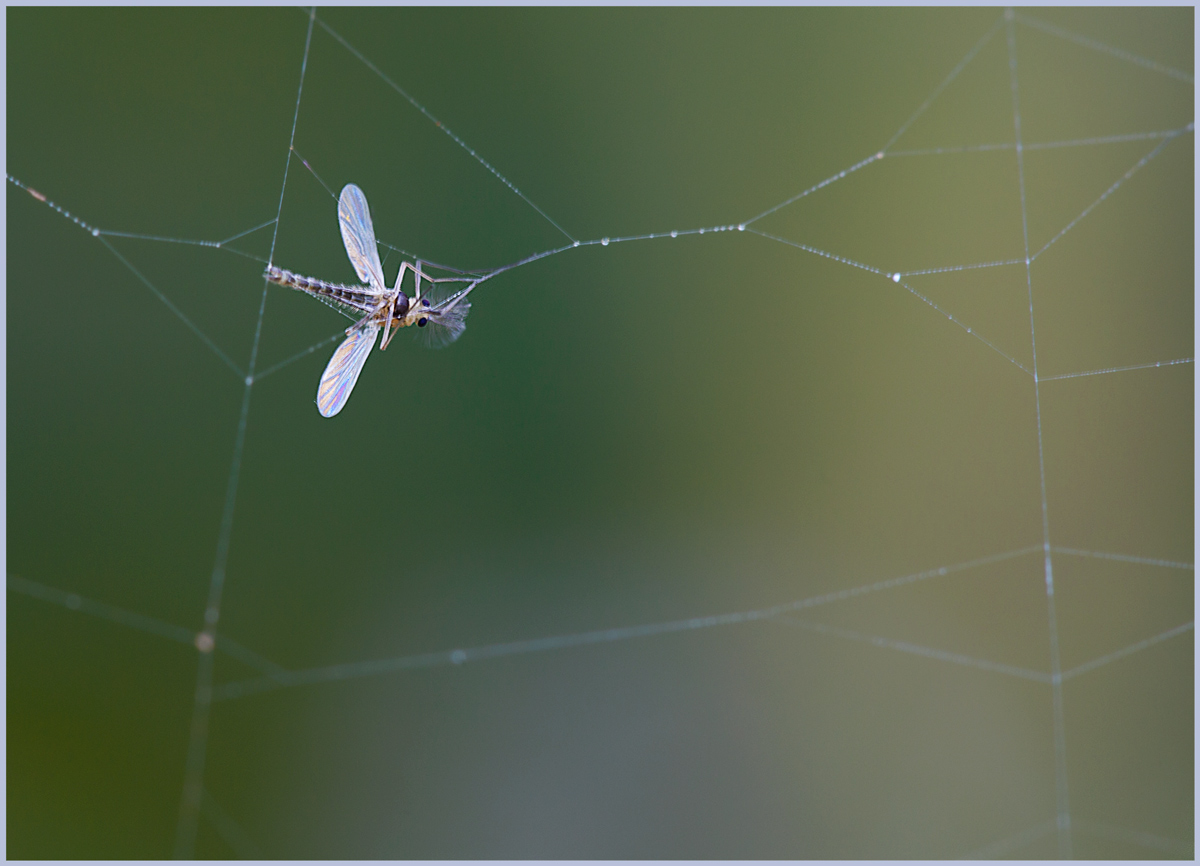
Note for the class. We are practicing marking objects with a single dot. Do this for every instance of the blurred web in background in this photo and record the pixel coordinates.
(987, 336)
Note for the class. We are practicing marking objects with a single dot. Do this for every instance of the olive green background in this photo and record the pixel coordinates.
(626, 434)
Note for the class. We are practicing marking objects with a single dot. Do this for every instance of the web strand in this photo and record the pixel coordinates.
(421, 108)
(1012, 843)
(1044, 145)
(916, 649)
(1062, 796)
(193, 785)
(1100, 46)
(356, 670)
(196, 800)
(1141, 560)
(1117, 185)
(1127, 651)
(136, 621)
(962, 64)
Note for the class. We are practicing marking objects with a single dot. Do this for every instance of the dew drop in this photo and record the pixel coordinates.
(604, 242)
(895, 278)
(674, 234)
(575, 244)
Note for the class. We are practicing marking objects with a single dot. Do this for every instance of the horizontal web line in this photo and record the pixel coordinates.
(1116, 369)
(334, 673)
(1100, 46)
(950, 268)
(915, 649)
(1044, 145)
(1120, 557)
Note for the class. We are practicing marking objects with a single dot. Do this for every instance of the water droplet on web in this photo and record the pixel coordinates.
(604, 242)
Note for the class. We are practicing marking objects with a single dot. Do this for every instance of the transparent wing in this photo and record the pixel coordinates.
(447, 317)
(359, 236)
(343, 368)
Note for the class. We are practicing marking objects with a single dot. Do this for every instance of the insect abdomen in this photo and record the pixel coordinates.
(351, 295)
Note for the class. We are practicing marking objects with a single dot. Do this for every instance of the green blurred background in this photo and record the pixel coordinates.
(628, 434)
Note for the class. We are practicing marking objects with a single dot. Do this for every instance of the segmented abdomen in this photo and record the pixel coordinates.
(351, 296)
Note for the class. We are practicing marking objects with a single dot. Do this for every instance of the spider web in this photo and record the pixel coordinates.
(798, 488)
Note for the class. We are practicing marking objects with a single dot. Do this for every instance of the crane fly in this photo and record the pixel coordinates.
(376, 306)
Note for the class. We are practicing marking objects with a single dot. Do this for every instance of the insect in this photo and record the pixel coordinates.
(377, 306)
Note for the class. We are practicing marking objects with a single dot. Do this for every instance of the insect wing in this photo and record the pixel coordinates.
(359, 236)
(342, 370)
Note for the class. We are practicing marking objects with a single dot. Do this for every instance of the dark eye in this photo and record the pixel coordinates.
(425, 301)
(421, 322)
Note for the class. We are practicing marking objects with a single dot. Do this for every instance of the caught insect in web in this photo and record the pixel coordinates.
(443, 319)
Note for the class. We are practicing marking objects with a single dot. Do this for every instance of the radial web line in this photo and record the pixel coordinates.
(817, 252)
(1166, 563)
(130, 619)
(1061, 794)
(174, 309)
(826, 182)
(1128, 651)
(228, 829)
(140, 237)
(193, 784)
(962, 64)
(421, 108)
(1134, 170)
(98, 234)
(1172, 847)
(354, 670)
(951, 268)
(270, 222)
(1100, 46)
(1118, 369)
(99, 609)
(1013, 843)
(916, 649)
(303, 353)
(92, 230)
